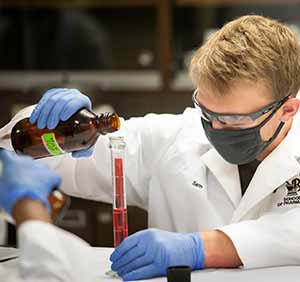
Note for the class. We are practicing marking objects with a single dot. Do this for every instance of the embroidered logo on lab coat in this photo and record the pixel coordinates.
(293, 193)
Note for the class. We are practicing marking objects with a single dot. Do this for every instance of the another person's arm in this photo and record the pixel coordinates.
(27, 209)
(47, 253)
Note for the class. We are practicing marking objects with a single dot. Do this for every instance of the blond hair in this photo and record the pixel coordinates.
(252, 49)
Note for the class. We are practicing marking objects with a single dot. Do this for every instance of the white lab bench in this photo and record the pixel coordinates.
(278, 274)
(275, 274)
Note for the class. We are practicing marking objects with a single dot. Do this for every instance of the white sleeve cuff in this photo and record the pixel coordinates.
(264, 243)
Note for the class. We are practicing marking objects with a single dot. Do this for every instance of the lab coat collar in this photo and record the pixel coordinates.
(280, 166)
(227, 174)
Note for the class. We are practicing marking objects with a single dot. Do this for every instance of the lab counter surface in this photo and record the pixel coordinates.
(100, 266)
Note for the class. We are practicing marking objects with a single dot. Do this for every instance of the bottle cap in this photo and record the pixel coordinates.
(180, 273)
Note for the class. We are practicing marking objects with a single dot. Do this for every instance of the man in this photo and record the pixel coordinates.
(219, 173)
(46, 252)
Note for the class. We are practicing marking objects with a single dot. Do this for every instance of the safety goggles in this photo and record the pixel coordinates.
(238, 120)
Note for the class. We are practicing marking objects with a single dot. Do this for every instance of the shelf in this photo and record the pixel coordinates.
(163, 75)
(104, 80)
(182, 82)
(234, 2)
(78, 3)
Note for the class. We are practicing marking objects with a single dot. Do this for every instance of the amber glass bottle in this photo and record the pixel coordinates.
(59, 203)
(79, 132)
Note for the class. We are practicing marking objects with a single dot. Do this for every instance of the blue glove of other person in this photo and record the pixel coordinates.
(59, 104)
(22, 177)
(149, 253)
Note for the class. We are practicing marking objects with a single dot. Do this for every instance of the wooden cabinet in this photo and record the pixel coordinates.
(115, 46)
(92, 221)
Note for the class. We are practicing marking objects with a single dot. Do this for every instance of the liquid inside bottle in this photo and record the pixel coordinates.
(79, 132)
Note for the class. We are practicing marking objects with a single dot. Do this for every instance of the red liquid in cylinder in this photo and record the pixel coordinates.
(120, 210)
(120, 226)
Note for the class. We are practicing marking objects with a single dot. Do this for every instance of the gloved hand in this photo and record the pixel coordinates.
(59, 104)
(21, 177)
(149, 253)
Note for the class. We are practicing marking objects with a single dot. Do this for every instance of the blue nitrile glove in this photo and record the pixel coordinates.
(59, 104)
(149, 253)
(21, 176)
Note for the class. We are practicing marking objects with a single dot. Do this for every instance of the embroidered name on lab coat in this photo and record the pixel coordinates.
(197, 184)
(293, 193)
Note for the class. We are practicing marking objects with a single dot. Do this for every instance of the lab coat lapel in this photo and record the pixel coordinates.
(227, 174)
(280, 166)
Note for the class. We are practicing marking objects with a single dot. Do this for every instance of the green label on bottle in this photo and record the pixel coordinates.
(51, 144)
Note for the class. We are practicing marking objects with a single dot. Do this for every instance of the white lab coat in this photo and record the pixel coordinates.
(173, 172)
(48, 254)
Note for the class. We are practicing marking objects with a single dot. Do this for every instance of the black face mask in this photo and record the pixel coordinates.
(239, 146)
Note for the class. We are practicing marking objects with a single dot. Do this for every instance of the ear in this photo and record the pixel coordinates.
(289, 109)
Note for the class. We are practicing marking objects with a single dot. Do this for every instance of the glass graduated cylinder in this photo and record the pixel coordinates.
(120, 225)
